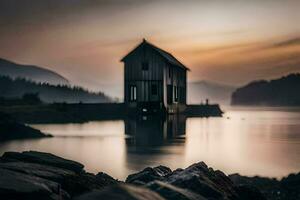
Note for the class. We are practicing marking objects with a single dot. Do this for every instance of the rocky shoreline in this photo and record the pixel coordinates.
(37, 175)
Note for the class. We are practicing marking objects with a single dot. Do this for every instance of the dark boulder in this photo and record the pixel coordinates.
(248, 192)
(291, 183)
(122, 192)
(287, 188)
(270, 188)
(43, 171)
(15, 185)
(105, 178)
(204, 181)
(149, 174)
(36, 175)
(86, 182)
(42, 158)
(172, 192)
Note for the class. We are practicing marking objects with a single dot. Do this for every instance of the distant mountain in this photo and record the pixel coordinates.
(34, 73)
(17, 88)
(216, 93)
(279, 92)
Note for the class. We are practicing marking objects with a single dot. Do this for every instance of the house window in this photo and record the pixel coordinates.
(170, 71)
(175, 94)
(132, 90)
(169, 94)
(145, 66)
(154, 89)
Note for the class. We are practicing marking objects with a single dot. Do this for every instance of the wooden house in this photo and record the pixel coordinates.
(154, 80)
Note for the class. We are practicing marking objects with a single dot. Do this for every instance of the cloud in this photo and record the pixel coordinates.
(287, 43)
(251, 47)
(246, 62)
(16, 12)
(277, 44)
(224, 48)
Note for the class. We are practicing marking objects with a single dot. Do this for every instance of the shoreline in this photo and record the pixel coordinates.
(10, 129)
(80, 113)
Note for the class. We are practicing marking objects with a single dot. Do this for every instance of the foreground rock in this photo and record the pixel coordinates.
(169, 191)
(123, 192)
(149, 174)
(11, 129)
(35, 175)
(287, 188)
(195, 182)
(42, 158)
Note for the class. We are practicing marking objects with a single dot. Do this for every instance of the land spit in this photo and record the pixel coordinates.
(72, 113)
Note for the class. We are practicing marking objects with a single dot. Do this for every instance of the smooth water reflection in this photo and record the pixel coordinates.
(250, 142)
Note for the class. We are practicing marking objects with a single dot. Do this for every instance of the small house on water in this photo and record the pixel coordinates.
(154, 80)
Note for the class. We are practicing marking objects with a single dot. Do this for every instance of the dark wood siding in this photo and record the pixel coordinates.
(176, 78)
(147, 70)
(144, 79)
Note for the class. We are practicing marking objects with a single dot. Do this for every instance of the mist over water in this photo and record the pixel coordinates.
(256, 141)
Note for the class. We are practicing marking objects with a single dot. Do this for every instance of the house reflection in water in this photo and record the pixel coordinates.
(154, 131)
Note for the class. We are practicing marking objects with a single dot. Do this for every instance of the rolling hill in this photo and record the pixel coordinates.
(17, 88)
(30, 72)
(278, 92)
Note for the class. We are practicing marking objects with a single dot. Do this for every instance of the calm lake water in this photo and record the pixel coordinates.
(251, 142)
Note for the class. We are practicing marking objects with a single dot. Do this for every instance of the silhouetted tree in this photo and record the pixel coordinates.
(16, 88)
(278, 92)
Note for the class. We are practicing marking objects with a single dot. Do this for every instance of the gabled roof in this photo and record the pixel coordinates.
(166, 55)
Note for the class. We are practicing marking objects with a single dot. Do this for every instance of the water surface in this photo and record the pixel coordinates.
(251, 142)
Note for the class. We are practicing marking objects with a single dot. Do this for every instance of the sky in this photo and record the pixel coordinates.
(226, 41)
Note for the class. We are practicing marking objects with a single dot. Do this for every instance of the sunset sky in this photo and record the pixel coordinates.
(225, 41)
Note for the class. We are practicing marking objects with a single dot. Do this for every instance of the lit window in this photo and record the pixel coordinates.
(175, 94)
(132, 90)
